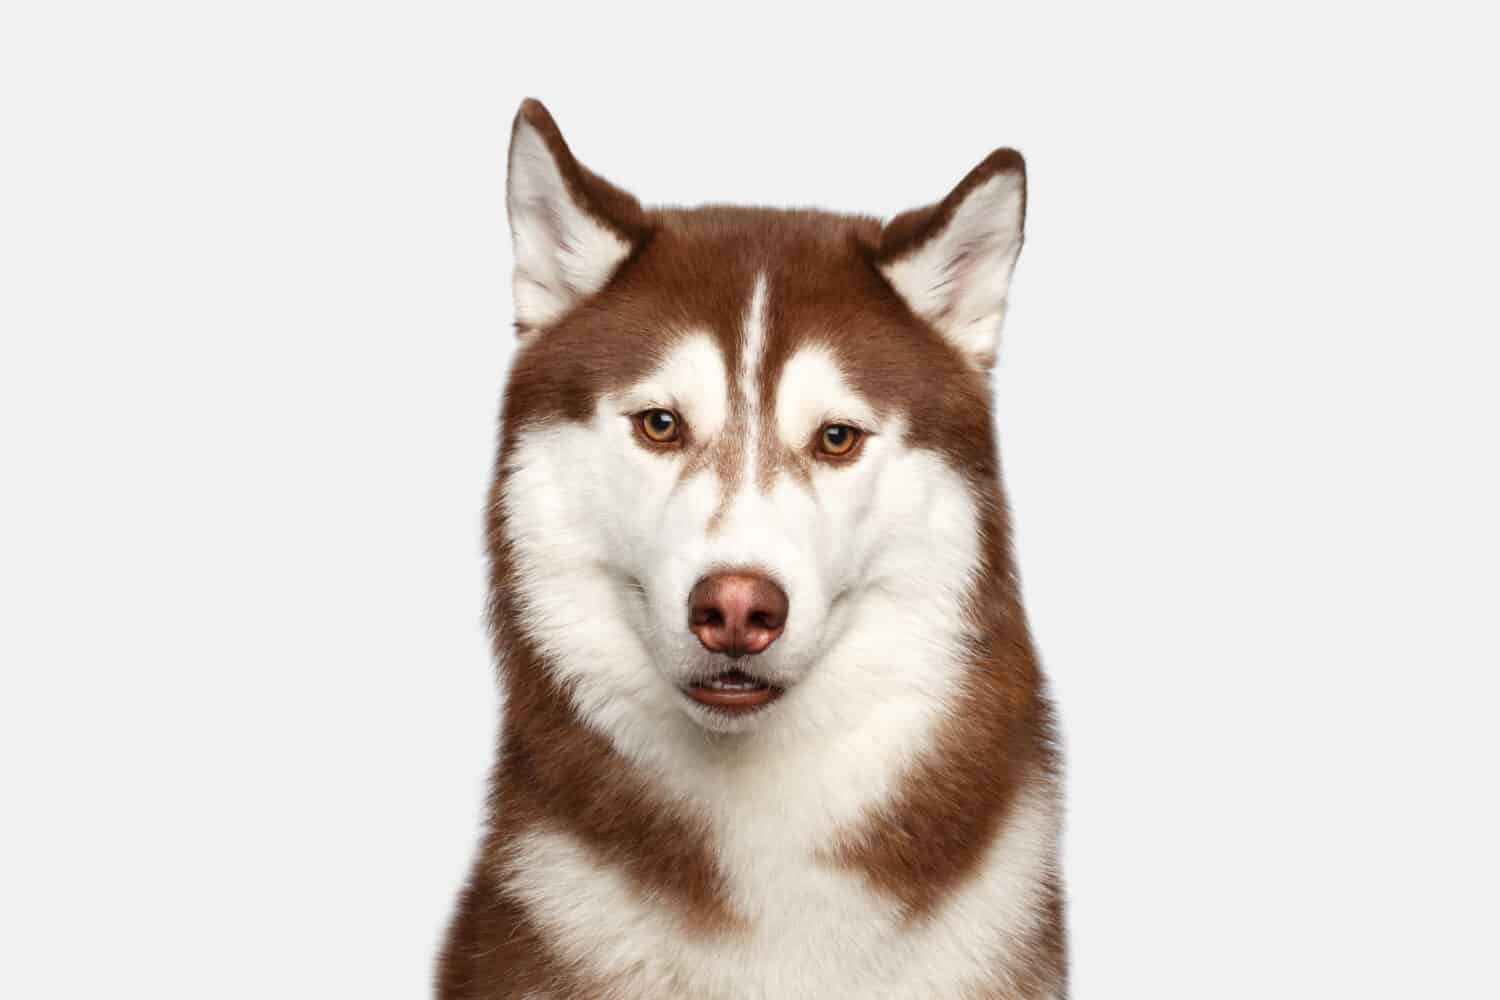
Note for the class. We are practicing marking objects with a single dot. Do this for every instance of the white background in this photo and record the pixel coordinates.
(254, 300)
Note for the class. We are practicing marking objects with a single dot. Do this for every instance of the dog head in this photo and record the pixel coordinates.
(747, 453)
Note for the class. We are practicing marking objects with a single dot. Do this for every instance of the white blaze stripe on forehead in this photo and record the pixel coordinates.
(692, 379)
(753, 344)
(752, 347)
(811, 392)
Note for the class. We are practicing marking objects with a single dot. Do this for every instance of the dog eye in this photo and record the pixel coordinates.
(838, 440)
(659, 426)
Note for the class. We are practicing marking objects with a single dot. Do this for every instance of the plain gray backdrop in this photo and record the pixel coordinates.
(254, 322)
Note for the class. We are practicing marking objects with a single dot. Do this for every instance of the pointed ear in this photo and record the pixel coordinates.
(952, 261)
(570, 228)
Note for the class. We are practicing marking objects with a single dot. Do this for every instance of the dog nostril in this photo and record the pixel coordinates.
(708, 616)
(764, 619)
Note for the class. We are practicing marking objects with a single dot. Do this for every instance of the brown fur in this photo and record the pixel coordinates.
(694, 270)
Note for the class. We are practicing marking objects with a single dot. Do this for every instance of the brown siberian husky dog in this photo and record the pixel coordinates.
(774, 726)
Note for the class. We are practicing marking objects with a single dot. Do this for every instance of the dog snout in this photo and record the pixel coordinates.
(737, 613)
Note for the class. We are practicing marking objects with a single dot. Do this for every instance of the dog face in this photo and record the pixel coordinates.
(745, 450)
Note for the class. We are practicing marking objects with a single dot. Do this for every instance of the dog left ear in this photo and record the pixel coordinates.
(571, 228)
(952, 261)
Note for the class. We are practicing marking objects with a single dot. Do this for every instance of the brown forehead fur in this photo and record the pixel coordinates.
(695, 270)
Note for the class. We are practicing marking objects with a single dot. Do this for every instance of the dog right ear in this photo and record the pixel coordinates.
(952, 261)
(570, 228)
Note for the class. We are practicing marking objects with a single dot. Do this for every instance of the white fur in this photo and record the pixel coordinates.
(752, 347)
(812, 392)
(563, 255)
(792, 950)
(877, 558)
(692, 381)
(959, 279)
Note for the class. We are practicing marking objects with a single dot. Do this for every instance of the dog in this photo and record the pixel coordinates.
(773, 724)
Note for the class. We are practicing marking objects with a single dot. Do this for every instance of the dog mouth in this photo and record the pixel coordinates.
(733, 691)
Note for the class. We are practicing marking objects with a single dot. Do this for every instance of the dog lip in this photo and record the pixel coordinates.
(737, 699)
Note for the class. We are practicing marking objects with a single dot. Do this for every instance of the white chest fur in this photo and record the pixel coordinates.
(811, 929)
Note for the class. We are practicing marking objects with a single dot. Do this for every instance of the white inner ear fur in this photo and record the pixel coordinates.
(563, 254)
(958, 280)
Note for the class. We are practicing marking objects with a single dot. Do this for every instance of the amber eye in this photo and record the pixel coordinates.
(838, 440)
(659, 426)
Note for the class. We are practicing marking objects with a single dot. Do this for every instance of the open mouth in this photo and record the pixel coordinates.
(733, 691)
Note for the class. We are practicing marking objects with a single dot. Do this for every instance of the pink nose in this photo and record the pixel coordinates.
(737, 614)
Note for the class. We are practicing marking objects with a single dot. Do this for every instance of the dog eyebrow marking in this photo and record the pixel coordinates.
(691, 376)
(811, 390)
